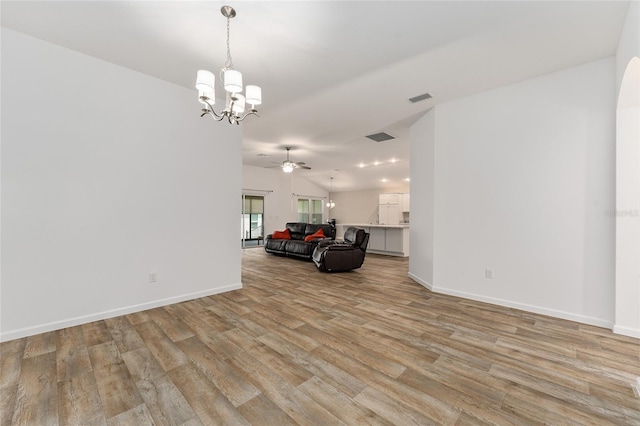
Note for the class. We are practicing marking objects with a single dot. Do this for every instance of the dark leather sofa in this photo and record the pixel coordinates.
(338, 256)
(297, 246)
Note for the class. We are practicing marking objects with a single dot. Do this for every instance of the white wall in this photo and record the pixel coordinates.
(107, 175)
(280, 204)
(627, 318)
(422, 229)
(523, 188)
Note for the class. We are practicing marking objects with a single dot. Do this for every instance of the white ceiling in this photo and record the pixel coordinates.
(335, 71)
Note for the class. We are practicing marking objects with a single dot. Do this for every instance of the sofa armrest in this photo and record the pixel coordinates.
(327, 242)
(341, 247)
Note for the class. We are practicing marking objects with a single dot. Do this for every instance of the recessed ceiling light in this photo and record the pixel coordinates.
(375, 163)
(361, 165)
(407, 179)
(393, 160)
(385, 180)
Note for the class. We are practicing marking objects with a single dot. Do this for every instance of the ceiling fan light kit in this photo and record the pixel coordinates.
(287, 166)
(236, 102)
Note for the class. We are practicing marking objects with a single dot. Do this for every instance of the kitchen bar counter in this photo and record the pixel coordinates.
(373, 225)
(392, 240)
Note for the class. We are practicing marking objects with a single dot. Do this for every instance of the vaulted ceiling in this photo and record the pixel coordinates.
(335, 71)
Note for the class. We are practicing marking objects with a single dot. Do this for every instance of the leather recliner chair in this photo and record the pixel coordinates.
(339, 256)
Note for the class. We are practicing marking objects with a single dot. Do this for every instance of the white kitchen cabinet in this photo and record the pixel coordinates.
(390, 240)
(406, 202)
(388, 199)
(389, 214)
(393, 240)
(377, 239)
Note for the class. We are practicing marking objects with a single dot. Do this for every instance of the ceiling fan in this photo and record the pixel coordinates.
(287, 166)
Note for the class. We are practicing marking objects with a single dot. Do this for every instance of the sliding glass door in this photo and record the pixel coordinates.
(252, 226)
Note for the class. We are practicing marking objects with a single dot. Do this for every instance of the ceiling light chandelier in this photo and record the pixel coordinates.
(331, 204)
(232, 81)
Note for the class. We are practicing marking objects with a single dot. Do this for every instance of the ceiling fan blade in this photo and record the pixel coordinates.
(300, 163)
(304, 167)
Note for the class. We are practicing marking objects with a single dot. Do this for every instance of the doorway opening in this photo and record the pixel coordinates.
(252, 221)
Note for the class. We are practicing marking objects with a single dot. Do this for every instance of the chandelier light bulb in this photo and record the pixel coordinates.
(238, 105)
(207, 96)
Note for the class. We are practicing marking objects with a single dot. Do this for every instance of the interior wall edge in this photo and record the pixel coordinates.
(420, 281)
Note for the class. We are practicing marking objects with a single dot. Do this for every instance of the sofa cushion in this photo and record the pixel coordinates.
(297, 230)
(327, 229)
(281, 235)
(277, 246)
(317, 234)
(299, 248)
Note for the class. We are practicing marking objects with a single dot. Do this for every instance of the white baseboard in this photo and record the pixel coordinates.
(71, 322)
(626, 331)
(516, 305)
(421, 281)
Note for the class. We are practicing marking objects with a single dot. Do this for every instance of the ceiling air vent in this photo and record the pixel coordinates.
(380, 137)
(419, 98)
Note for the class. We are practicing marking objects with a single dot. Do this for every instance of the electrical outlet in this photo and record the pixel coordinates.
(488, 273)
(153, 277)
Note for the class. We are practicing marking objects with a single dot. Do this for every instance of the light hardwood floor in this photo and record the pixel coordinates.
(296, 346)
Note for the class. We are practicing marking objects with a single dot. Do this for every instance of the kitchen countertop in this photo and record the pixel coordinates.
(373, 225)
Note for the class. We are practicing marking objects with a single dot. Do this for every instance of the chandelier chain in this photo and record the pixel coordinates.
(229, 64)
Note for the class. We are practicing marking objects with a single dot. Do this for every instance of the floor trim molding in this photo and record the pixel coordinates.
(70, 322)
(626, 331)
(517, 305)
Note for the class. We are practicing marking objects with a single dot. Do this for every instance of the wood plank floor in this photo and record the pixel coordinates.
(296, 346)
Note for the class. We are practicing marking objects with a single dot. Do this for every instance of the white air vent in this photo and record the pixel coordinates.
(380, 137)
(419, 98)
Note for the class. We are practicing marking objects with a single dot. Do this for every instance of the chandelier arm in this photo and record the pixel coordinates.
(213, 115)
(252, 112)
(210, 111)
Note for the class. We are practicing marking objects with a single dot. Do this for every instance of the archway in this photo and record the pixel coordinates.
(627, 317)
